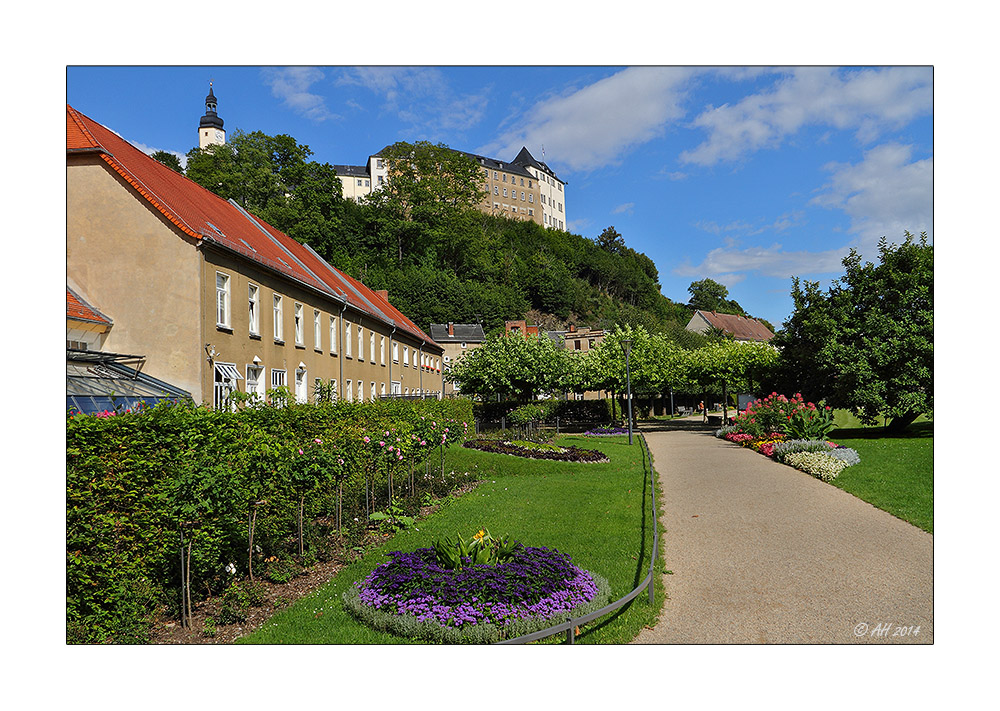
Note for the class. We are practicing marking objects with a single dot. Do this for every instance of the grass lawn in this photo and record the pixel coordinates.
(597, 513)
(896, 474)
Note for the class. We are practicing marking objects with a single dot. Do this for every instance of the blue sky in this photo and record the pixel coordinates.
(744, 175)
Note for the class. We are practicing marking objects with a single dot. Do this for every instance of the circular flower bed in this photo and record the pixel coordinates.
(413, 595)
(561, 454)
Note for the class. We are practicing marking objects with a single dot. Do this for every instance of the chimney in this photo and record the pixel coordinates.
(451, 328)
(383, 294)
(572, 328)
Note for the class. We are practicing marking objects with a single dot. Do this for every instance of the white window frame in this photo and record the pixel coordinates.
(381, 349)
(406, 356)
(279, 318)
(226, 381)
(334, 393)
(361, 342)
(317, 331)
(253, 296)
(371, 345)
(361, 391)
(395, 352)
(347, 338)
(373, 391)
(255, 383)
(333, 334)
(279, 378)
(300, 336)
(222, 300)
(349, 392)
(301, 385)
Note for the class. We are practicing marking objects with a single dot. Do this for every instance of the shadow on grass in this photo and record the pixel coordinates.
(917, 430)
(642, 568)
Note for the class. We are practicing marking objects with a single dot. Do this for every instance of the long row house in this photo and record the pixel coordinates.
(210, 298)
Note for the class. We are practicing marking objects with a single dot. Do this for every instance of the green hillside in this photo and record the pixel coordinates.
(439, 258)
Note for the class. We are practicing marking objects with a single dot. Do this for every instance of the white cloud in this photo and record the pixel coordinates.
(770, 261)
(594, 126)
(867, 101)
(627, 208)
(292, 85)
(743, 228)
(422, 97)
(883, 194)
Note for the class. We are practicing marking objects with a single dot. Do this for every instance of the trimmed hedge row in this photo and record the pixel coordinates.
(137, 482)
(545, 411)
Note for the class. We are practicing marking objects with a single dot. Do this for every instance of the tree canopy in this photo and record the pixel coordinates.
(512, 366)
(710, 295)
(169, 160)
(867, 344)
(272, 177)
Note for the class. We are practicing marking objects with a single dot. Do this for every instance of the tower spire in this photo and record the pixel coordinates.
(210, 130)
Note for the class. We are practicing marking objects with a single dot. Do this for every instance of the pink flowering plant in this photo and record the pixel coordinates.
(767, 416)
(312, 463)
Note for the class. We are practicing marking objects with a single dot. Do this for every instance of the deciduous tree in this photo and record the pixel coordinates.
(870, 338)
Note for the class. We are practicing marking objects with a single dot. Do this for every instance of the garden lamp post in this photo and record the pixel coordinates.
(627, 347)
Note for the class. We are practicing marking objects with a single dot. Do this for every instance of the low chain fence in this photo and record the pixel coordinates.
(570, 625)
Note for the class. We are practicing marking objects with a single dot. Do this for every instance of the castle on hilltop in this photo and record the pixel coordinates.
(524, 188)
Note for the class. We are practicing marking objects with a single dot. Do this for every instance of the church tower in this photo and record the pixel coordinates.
(210, 130)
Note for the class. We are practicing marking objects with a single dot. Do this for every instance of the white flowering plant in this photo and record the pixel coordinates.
(818, 464)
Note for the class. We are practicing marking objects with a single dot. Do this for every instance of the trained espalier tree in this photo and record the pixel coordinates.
(730, 366)
(650, 362)
(869, 341)
(512, 367)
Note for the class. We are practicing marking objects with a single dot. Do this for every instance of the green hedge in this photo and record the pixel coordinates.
(584, 411)
(136, 481)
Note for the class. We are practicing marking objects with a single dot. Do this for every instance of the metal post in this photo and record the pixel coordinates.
(627, 347)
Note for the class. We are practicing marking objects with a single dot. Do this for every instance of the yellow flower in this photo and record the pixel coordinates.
(479, 536)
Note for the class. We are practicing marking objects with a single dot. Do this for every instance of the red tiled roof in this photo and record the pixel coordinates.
(743, 329)
(79, 309)
(204, 215)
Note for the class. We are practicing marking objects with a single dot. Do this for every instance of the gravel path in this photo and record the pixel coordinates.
(764, 554)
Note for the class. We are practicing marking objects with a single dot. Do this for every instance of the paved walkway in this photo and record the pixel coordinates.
(762, 553)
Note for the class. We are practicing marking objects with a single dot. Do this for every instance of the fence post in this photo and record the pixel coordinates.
(570, 636)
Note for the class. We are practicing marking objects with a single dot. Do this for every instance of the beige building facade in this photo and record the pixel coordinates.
(215, 299)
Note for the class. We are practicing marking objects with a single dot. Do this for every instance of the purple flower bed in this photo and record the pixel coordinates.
(568, 454)
(534, 584)
(602, 431)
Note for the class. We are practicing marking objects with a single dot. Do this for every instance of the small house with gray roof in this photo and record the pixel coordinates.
(456, 339)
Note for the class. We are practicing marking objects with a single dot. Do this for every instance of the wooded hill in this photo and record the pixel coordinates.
(440, 258)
